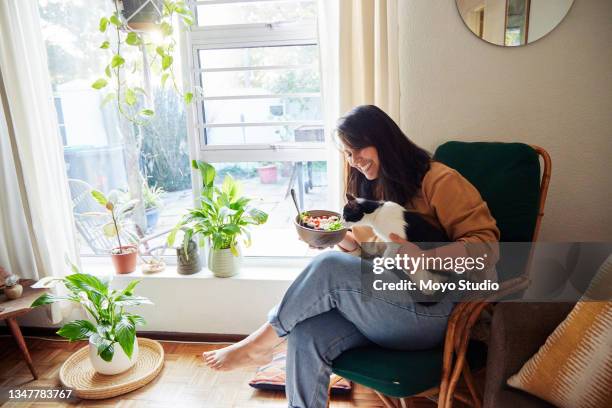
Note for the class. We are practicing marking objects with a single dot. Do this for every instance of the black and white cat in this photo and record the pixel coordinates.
(386, 218)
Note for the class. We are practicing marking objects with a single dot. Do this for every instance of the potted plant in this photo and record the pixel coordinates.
(110, 329)
(12, 287)
(152, 203)
(142, 14)
(125, 255)
(223, 216)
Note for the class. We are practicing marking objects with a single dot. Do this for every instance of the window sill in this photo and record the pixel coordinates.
(285, 270)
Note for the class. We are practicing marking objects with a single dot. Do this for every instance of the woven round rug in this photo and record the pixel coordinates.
(78, 373)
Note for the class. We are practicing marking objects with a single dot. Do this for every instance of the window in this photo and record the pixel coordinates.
(258, 118)
(100, 152)
(260, 115)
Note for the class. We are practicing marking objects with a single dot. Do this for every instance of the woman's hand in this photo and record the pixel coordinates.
(348, 243)
(407, 247)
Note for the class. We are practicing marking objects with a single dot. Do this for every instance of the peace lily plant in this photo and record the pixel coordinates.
(110, 329)
(222, 217)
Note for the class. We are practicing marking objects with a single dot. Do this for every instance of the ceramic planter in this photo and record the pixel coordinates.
(152, 215)
(118, 364)
(13, 292)
(223, 263)
(141, 18)
(189, 263)
(126, 261)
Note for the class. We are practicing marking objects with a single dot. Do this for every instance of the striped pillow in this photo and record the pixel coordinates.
(573, 369)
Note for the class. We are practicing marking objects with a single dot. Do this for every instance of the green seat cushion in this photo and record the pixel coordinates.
(399, 373)
(507, 175)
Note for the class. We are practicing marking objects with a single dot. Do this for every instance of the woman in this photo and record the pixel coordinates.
(325, 311)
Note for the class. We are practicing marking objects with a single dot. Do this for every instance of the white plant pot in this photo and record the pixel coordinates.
(223, 263)
(118, 364)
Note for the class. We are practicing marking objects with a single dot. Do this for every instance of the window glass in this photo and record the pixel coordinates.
(269, 183)
(256, 12)
(101, 150)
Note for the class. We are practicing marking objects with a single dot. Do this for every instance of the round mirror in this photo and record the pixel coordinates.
(512, 23)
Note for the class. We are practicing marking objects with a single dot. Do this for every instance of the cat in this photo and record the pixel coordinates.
(388, 217)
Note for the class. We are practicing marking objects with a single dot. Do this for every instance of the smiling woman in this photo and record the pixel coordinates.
(383, 161)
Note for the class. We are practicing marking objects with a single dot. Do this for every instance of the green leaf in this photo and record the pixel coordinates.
(207, 171)
(231, 229)
(99, 84)
(258, 216)
(124, 300)
(107, 71)
(160, 51)
(166, 61)
(172, 236)
(147, 112)
(130, 96)
(87, 283)
(129, 289)
(104, 346)
(109, 97)
(133, 39)
(77, 330)
(46, 299)
(125, 332)
(166, 29)
(103, 24)
(117, 61)
(188, 97)
(105, 45)
(234, 250)
(137, 320)
(115, 20)
(164, 78)
(99, 197)
(186, 239)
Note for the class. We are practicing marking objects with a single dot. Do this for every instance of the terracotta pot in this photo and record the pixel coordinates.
(126, 261)
(13, 292)
(268, 174)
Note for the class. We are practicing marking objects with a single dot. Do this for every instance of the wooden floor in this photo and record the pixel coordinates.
(184, 382)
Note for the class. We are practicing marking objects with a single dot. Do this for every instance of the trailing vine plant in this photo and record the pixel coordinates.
(158, 43)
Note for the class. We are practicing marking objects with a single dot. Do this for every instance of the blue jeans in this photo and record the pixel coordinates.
(327, 311)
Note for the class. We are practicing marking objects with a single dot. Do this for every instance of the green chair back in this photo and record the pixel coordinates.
(507, 175)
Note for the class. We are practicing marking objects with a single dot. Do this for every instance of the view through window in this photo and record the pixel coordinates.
(258, 118)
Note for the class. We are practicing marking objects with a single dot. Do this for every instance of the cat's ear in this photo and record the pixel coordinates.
(350, 197)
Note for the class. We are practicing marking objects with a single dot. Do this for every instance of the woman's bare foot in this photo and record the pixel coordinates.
(236, 356)
(255, 350)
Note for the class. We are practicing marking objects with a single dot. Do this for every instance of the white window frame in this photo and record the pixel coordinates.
(242, 36)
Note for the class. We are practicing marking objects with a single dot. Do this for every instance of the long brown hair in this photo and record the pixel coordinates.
(403, 164)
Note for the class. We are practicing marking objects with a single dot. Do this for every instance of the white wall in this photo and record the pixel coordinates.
(556, 92)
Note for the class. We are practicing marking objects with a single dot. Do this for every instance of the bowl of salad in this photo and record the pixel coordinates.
(320, 228)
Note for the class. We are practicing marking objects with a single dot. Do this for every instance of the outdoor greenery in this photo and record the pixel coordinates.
(152, 196)
(223, 216)
(109, 324)
(165, 150)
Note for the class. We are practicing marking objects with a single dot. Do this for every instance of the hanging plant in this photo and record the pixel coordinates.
(157, 43)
